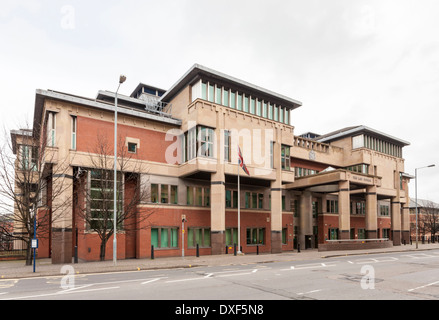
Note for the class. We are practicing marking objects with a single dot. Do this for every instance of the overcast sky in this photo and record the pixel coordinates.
(350, 62)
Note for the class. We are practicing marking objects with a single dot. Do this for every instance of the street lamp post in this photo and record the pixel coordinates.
(416, 196)
(122, 79)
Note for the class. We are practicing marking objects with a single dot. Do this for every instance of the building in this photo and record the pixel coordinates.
(301, 190)
(428, 220)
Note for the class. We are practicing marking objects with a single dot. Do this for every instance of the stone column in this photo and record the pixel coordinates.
(396, 221)
(276, 198)
(218, 213)
(344, 214)
(371, 212)
(305, 229)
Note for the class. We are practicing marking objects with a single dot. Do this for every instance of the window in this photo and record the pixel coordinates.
(272, 154)
(259, 108)
(165, 237)
(360, 207)
(218, 95)
(284, 236)
(101, 197)
(285, 157)
(28, 157)
(200, 236)
(226, 98)
(245, 103)
(204, 91)
(276, 113)
(74, 120)
(281, 115)
(211, 93)
(255, 236)
(164, 195)
(253, 200)
(384, 210)
(315, 209)
(252, 106)
(332, 206)
(154, 193)
(233, 100)
(227, 143)
(191, 144)
(264, 110)
(231, 236)
(239, 103)
(270, 111)
(132, 147)
(228, 198)
(198, 196)
(287, 117)
(361, 234)
(174, 195)
(51, 129)
(333, 234)
(206, 140)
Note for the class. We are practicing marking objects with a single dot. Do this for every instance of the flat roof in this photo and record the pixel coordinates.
(198, 71)
(356, 130)
(41, 95)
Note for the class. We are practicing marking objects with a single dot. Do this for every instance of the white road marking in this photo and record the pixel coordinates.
(313, 291)
(425, 286)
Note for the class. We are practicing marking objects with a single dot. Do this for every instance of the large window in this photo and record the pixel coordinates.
(200, 236)
(168, 194)
(74, 128)
(198, 196)
(332, 206)
(51, 129)
(231, 236)
(199, 142)
(164, 237)
(255, 236)
(101, 197)
(285, 157)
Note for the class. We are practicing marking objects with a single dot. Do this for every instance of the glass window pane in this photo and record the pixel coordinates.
(204, 91)
(198, 196)
(235, 199)
(259, 108)
(174, 194)
(154, 193)
(190, 238)
(254, 200)
(264, 110)
(252, 106)
(190, 196)
(226, 98)
(276, 113)
(228, 198)
(211, 92)
(164, 198)
(239, 103)
(261, 236)
(207, 237)
(233, 100)
(246, 104)
(164, 238)
(206, 197)
(218, 95)
(155, 237)
(174, 238)
(228, 237)
(270, 112)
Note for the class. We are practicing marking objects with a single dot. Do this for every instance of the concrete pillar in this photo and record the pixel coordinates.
(405, 223)
(305, 230)
(62, 191)
(218, 213)
(276, 199)
(344, 214)
(396, 221)
(371, 212)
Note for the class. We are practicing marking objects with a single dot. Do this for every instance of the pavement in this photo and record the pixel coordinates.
(44, 267)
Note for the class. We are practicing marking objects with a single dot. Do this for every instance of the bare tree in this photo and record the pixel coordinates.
(28, 188)
(94, 191)
(429, 219)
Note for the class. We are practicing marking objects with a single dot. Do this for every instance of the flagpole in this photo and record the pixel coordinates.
(239, 209)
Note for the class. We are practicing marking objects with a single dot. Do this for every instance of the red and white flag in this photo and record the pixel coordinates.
(241, 161)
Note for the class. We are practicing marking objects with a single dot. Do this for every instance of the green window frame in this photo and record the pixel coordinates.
(164, 237)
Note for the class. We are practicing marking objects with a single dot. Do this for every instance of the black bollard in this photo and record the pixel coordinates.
(298, 247)
(227, 249)
(234, 249)
(257, 250)
(198, 250)
(152, 252)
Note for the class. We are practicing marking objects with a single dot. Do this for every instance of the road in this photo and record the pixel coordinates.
(400, 276)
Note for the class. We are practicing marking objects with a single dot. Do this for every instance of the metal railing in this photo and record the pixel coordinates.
(12, 248)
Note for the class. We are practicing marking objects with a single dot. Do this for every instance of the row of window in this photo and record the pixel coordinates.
(366, 141)
(303, 172)
(167, 237)
(240, 101)
(360, 233)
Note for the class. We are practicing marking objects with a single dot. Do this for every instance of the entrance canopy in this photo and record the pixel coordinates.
(328, 182)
